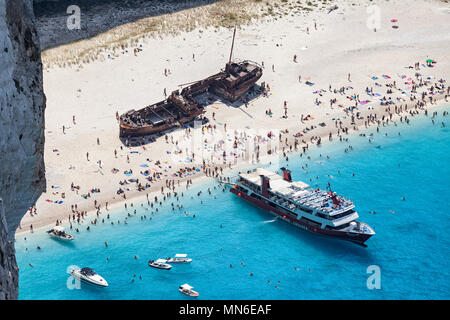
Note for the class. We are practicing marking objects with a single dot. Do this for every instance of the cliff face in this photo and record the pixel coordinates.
(22, 104)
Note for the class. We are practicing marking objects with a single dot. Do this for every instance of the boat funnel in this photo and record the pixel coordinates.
(286, 174)
(265, 185)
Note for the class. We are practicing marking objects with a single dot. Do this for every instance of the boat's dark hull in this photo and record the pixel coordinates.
(235, 94)
(129, 131)
(357, 238)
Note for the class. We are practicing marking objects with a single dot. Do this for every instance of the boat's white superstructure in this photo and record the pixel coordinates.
(89, 276)
(318, 210)
(187, 290)
(179, 258)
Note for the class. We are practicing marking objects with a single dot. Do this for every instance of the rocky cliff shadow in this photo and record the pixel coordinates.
(98, 16)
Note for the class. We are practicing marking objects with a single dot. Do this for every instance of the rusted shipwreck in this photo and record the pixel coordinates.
(180, 108)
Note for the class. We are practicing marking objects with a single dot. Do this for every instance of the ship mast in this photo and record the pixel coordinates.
(227, 66)
(232, 44)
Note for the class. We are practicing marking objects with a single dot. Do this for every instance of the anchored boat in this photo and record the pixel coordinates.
(319, 211)
(160, 264)
(59, 233)
(187, 290)
(89, 276)
(179, 258)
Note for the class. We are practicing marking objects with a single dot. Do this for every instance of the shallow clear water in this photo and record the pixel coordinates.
(410, 245)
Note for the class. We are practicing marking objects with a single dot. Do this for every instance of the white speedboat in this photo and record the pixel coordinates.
(160, 264)
(179, 258)
(59, 233)
(89, 276)
(187, 290)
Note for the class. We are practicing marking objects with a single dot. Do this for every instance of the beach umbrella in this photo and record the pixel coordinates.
(394, 20)
(429, 60)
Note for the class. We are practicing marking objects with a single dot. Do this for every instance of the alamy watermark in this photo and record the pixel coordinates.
(72, 282)
(373, 22)
(74, 18)
(374, 280)
(205, 145)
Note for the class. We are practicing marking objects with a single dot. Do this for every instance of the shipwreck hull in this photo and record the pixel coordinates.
(235, 94)
(129, 131)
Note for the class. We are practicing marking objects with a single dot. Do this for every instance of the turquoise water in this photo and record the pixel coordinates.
(410, 246)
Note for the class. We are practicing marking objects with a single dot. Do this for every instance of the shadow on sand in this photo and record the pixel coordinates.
(98, 16)
(204, 100)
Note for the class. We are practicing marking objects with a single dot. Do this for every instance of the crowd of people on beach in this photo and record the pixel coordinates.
(217, 155)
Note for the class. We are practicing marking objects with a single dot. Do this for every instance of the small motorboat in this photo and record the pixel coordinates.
(179, 258)
(59, 233)
(160, 264)
(187, 290)
(89, 276)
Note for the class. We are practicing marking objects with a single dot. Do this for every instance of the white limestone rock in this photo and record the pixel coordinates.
(22, 104)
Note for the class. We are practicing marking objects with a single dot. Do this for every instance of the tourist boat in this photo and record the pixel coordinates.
(181, 108)
(89, 276)
(187, 290)
(160, 264)
(59, 233)
(319, 211)
(179, 258)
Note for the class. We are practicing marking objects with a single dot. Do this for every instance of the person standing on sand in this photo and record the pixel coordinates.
(87, 156)
(73, 119)
(349, 78)
(64, 129)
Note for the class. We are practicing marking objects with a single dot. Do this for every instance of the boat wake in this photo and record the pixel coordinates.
(269, 221)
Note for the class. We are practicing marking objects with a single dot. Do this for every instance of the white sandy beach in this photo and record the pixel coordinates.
(342, 44)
